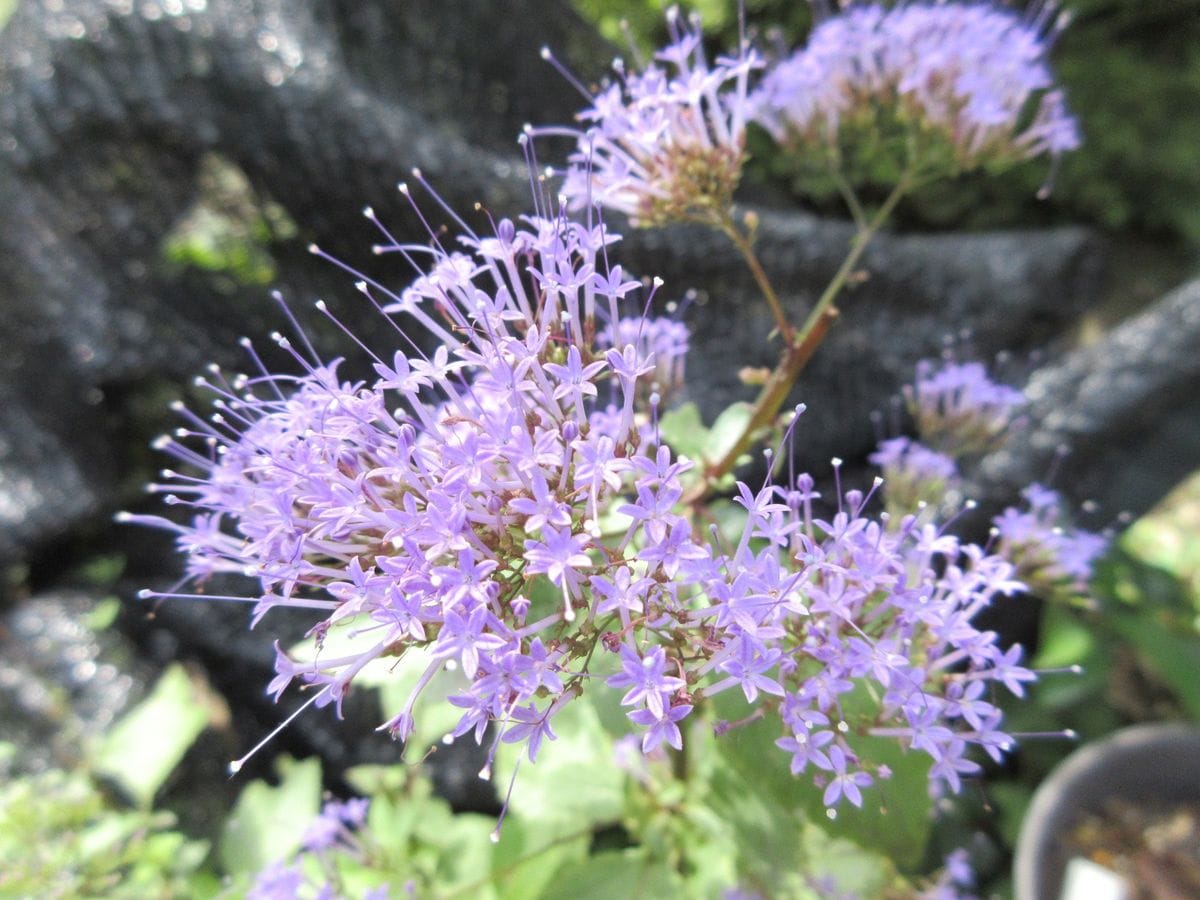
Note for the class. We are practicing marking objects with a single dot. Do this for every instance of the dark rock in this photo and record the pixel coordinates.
(1126, 408)
(1009, 291)
(107, 112)
(62, 681)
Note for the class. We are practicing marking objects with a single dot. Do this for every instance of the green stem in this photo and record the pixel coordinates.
(851, 199)
(857, 247)
(800, 348)
(744, 242)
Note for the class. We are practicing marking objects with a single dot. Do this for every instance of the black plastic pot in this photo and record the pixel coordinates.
(1155, 765)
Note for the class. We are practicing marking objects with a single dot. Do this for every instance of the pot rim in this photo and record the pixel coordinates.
(1158, 761)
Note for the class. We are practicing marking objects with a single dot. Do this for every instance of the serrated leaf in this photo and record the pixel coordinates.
(144, 747)
(268, 823)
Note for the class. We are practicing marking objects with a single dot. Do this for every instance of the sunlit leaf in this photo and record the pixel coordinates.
(146, 745)
(268, 823)
(726, 430)
(574, 785)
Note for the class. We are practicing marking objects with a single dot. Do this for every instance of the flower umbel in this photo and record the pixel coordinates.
(666, 143)
(421, 510)
(949, 87)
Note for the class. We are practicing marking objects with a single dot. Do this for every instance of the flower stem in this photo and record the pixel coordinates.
(802, 345)
(744, 242)
(857, 246)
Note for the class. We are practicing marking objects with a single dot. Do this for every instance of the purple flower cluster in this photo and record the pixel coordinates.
(962, 413)
(959, 410)
(1053, 557)
(664, 144)
(974, 77)
(437, 506)
(856, 626)
(914, 474)
(505, 507)
(663, 339)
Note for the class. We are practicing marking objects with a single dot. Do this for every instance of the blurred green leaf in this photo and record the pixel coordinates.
(146, 745)
(59, 838)
(783, 840)
(103, 614)
(726, 430)
(1174, 657)
(613, 875)
(433, 716)
(895, 818)
(1168, 537)
(529, 857)
(1065, 640)
(268, 823)
(684, 430)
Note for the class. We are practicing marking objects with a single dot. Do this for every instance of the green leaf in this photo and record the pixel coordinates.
(352, 636)
(683, 429)
(528, 857)
(146, 745)
(575, 784)
(1168, 537)
(896, 814)
(103, 614)
(1010, 802)
(59, 838)
(464, 850)
(614, 875)
(726, 430)
(855, 871)
(1174, 657)
(1065, 640)
(765, 824)
(268, 823)
(433, 715)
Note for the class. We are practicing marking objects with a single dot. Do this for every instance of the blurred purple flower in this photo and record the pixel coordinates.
(973, 76)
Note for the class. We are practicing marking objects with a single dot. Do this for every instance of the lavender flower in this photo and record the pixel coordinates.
(335, 824)
(913, 474)
(804, 611)
(421, 510)
(665, 144)
(959, 410)
(506, 507)
(660, 341)
(1054, 558)
(948, 86)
